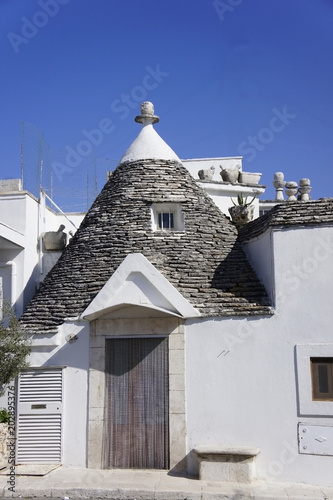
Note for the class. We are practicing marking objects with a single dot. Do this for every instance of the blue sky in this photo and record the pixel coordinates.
(227, 78)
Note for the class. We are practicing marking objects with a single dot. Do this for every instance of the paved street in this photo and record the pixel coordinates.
(149, 485)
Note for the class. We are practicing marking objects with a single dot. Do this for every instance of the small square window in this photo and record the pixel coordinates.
(167, 217)
(322, 379)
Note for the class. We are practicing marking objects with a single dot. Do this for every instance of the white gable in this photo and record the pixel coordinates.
(137, 282)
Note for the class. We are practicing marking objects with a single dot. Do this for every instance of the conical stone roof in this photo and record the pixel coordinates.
(204, 262)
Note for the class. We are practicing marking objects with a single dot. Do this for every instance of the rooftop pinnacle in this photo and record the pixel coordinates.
(148, 145)
(147, 114)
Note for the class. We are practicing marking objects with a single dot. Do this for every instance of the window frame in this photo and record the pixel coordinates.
(317, 393)
(160, 209)
(307, 406)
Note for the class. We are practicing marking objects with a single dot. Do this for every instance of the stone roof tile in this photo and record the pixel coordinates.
(290, 214)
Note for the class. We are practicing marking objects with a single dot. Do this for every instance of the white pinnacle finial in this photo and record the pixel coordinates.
(147, 114)
(279, 184)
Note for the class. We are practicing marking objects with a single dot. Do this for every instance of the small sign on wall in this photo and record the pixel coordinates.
(315, 439)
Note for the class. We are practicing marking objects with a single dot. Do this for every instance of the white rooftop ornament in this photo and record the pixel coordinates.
(291, 190)
(148, 145)
(304, 189)
(147, 114)
(279, 184)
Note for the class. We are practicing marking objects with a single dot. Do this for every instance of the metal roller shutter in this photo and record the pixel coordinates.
(39, 426)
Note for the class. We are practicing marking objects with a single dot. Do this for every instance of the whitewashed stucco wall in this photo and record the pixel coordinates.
(261, 257)
(242, 376)
(13, 212)
(74, 358)
(248, 396)
(222, 194)
(16, 264)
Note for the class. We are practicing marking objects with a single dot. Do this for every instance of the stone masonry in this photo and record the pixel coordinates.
(205, 262)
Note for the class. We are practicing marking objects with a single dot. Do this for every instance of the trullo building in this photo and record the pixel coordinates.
(166, 339)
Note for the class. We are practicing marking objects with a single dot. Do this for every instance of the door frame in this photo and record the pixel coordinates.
(109, 327)
(143, 337)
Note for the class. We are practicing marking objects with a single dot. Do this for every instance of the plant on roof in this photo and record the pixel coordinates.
(241, 212)
(15, 346)
(241, 201)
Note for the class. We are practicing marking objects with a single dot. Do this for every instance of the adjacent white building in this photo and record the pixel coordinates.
(24, 260)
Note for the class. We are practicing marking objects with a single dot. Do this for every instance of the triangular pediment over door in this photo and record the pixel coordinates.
(137, 283)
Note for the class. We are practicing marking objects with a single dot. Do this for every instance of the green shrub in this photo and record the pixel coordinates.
(4, 416)
(15, 346)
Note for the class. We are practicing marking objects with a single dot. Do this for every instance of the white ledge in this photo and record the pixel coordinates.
(226, 187)
(226, 450)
